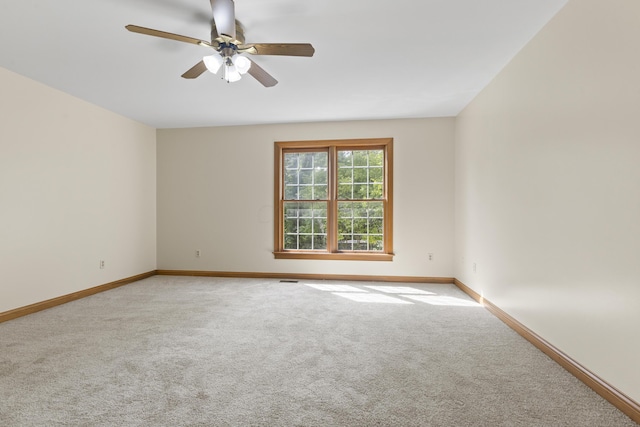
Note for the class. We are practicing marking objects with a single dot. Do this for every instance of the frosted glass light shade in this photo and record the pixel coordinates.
(213, 62)
(242, 64)
(231, 73)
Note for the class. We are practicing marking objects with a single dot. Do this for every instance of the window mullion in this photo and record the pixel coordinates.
(332, 208)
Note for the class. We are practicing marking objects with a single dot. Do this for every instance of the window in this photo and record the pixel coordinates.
(333, 199)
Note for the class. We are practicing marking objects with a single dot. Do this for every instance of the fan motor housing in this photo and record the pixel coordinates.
(239, 33)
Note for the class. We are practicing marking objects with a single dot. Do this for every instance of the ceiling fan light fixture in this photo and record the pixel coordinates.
(227, 40)
(213, 62)
(242, 64)
(231, 73)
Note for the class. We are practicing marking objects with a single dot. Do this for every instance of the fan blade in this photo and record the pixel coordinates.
(214, 30)
(195, 71)
(286, 49)
(224, 16)
(261, 75)
(165, 35)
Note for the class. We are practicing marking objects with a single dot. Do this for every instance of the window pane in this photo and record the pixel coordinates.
(375, 226)
(306, 160)
(305, 242)
(360, 174)
(360, 158)
(320, 226)
(344, 158)
(291, 192)
(359, 209)
(320, 176)
(375, 191)
(376, 210)
(291, 179)
(345, 175)
(360, 191)
(344, 227)
(375, 242)
(291, 241)
(305, 193)
(291, 226)
(345, 191)
(321, 159)
(376, 158)
(345, 245)
(375, 174)
(320, 192)
(305, 225)
(360, 243)
(360, 226)
(319, 242)
(291, 176)
(305, 176)
(291, 161)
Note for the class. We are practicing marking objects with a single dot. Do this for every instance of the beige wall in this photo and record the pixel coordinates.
(548, 188)
(77, 185)
(546, 192)
(215, 194)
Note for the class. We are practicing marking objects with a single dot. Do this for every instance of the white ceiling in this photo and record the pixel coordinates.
(374, 58)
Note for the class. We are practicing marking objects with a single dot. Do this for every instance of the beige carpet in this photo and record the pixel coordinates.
(176, 351)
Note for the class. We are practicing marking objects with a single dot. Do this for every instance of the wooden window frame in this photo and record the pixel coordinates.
(332, 252)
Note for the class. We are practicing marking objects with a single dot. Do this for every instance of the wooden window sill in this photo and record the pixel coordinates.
(341, 256)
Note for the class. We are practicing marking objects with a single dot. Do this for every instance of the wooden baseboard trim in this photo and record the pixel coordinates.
(43, 305)
(618, 399)
(305, 276)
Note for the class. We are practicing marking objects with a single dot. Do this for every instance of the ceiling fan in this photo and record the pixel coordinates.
(227, 40)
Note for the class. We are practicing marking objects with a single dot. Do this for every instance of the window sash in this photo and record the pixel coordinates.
(305, 225)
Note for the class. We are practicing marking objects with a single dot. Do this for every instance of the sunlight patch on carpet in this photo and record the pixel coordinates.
(335, 288)
(373, 298)
(443, 300)
(400, 290)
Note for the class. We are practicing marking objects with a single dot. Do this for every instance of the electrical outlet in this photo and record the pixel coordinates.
(474, 267)
(101, 264)
(430, 257)
(197, 253)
